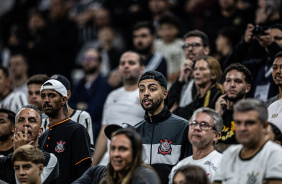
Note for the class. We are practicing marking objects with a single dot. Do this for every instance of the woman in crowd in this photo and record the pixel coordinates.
(190, 174)
(206, 73)
(126, 165)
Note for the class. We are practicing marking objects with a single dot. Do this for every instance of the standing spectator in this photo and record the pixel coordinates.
(170, 46)
(34, 84)
(164, 135)
(28, 163)
(91, 92)
(66, 139)
(196, 45)
(202, 138)
(206, 75)
(237, 83)
(8, 98)
(18, 67)
(122, 104)
(7, 123)
(254, 159)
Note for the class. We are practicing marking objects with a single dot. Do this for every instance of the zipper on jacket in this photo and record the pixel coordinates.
(151, 140)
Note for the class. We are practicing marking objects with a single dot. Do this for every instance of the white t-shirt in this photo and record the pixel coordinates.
(121, 106)
(14, 101)
(265, 164)
(209, 163)
(275, 113)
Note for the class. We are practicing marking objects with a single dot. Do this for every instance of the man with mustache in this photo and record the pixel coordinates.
(255, 159)
(164, 135)
(67, 140)
(236, 85)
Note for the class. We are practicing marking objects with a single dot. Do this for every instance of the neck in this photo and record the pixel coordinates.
(203, 90)
(7, 144)
(58, 118)
(250, 151)
(130, 87)
(199, 153)
(70, 111)
(20, 80)
(280, 92)
(5, 93)
(91, 77)
(157, 111)
(228, 13)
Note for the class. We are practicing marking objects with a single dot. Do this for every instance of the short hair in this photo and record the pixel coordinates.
(28, 153)
(144, 24)
(5, 71)
(218, 122)
(193, 174)
(141, 60)
(169, 19)
(276, 131)
(29, 106)
(37, 79)
(251, 104)
(11, 115)
(16, 53)
(214, 66)
(241, 68)
(232, 34)
(276, 26)
(200, 34)
(279, 54)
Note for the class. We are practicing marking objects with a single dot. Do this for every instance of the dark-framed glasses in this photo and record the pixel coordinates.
(202, 125)
(193, 45)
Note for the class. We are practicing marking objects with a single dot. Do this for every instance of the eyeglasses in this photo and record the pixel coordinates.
(193, 45)
(89, 59)
(203, 125)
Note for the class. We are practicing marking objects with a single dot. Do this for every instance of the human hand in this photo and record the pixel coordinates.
(249, 33)
(21, 139)
(221, 104)
(265, 40)
(186, 70)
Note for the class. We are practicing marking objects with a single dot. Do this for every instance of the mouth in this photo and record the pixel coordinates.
(278, 78)
(46, 106)
(117, 163)
(23, 179)
(146, 101)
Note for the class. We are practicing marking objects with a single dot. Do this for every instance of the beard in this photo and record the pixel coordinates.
(154, 105)
(239, 96)
(90, 70)
(144, 50)
(4, 138)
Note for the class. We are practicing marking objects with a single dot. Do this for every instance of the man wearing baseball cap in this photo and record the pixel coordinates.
(164, 135)
(66, 139)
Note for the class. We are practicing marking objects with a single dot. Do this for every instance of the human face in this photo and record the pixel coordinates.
(143, 40)
(30, 119)
(158, 6)
(152, 96)
(235, 85)
(277, 35)
(53, 102)
(17, 66)
(202, 138)
(130, 68)
(91, 61)
(4, 84)
(202, 74)
(249, 131)
(221, 43)
(277, 71)
(167, 32)
(196, 52)
(121, 153)
(34, 97)
(270, 134)
(6, 127)
(179, 178)
(28, 172)
(227, 4)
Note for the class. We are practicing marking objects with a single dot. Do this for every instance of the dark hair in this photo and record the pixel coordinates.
(277, 132)
(141, 60)
(276, 26)
(200, 34)
(28, 153)
(251, 104)
(29, 106)
(5, 71)
(144, 24)
(11, 115)
(193, 174)
(136, 144)
(240, 68)
(232, 34)
(37, 79)
(16, 53)
(279, 54)
(169, 19)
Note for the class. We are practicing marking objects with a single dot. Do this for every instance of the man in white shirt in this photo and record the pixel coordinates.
(255, 160)
(204, 129)
(122, 105)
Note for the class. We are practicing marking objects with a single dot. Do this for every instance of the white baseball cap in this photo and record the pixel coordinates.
(56, 86)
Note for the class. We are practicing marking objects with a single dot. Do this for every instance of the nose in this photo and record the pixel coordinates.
(22, 172)
(232, 83)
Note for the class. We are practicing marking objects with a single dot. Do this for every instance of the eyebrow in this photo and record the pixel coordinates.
(149, 85)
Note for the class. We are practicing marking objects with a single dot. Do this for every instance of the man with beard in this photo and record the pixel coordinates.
(7, 123)
(122, 105)
(236, 85)
(67, 140)
(143, 41)
(90, 93)
(164, 135)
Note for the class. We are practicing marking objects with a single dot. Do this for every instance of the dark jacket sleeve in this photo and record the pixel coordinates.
(174, 92)
(92, 176)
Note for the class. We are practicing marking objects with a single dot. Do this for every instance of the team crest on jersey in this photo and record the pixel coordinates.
(60, 147)
(165, 147)
(252, 178)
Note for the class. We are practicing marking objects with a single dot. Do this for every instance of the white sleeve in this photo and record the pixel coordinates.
(274, 165)
(19, 100)
(105, 110)
(86, 121)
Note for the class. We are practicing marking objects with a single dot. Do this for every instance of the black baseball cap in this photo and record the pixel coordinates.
(62, 79)
(154, 75)
(110, 129)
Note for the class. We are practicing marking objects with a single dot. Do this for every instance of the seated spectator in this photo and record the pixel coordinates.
(273, 133)
(202, 138)
(28, 163)
(206, 74)
(126, 164)
(190, 174)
